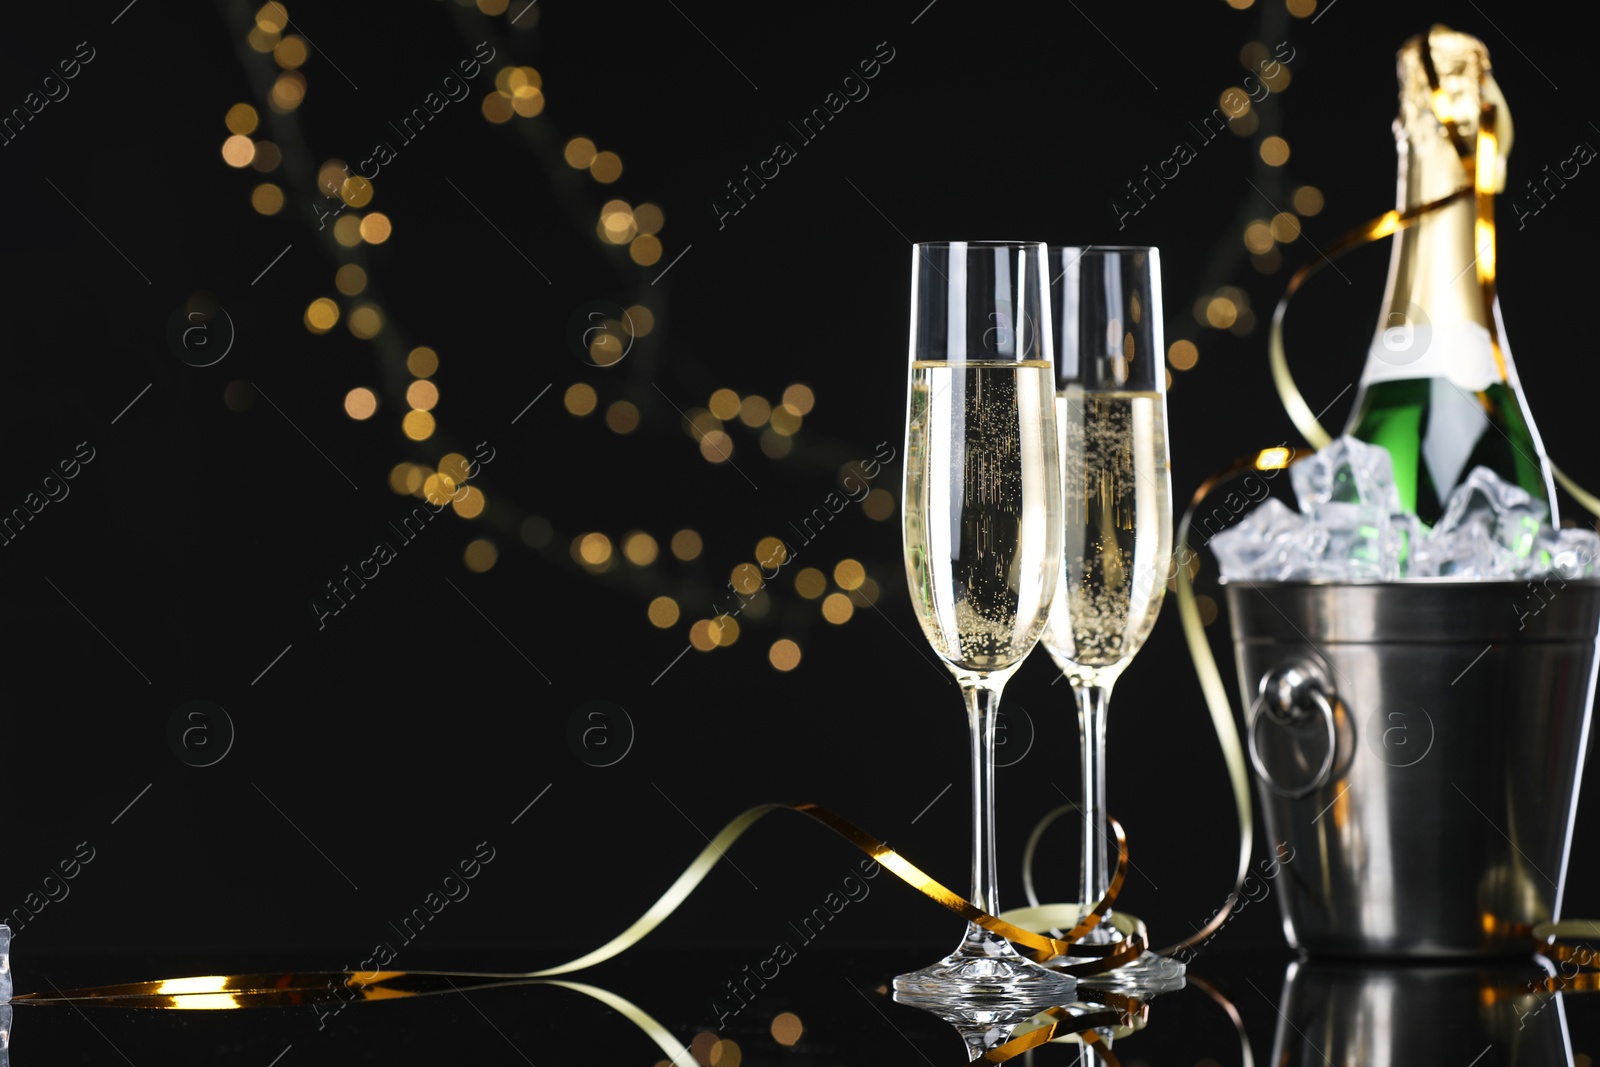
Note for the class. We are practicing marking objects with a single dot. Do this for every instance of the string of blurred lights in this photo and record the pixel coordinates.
(1261, 236)
(519, 92)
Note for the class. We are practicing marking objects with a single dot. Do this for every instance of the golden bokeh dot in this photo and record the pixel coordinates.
(593, 549)
(879, 505)
(639, 320)
(1183, 354)
(1221, 312)
(837, 609)
(1244, 125)
(700, 1047)
(784, 654)
(579, 153)
(1234, 103)
(1308, 200)
(726, 1053)
(1258, 237)
(725, 628)
(288, 92)
(865, 595)
(775, 445)
(406, 478)
(663, 612)
(330, 176)
(241, 119)
(350, 279)
(811, 583)
(456, 466)
(267, 198)
(493, 7)
(1274, 151)
(616, 222)
(799, 398)
(1240, 5)
(785, 420)
(640, 548)
(1207, 609)
(422, 362)
(648, 217)
(469, 502)
(321, 315)
(686, 545)
(745, 579)
(622, 417)
(267, 157)
(724, 404)
(580, 399)
(754, 411)
(356, 191)
(422, 395)
(1267, 262)
(375, 228)
(262, 40)
(716, 447)
(702, 637)
(366, 321)
(645, 249)
(272, 17)
(606, 167)
(786, 1028)
(497, 108)
(1301, 8)
(480, 555)
(1285, 227)
(771, 552)
(417, 425)
(347, 231)
(849, 574)
(360, 403)
(238, 150)
(291, 52)
(527, 101)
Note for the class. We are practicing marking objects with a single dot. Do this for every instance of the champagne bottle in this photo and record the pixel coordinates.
(1434, 391)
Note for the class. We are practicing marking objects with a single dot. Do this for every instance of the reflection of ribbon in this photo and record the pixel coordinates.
(267, 990)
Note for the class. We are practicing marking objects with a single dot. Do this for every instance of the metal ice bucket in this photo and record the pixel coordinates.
(1418, 745)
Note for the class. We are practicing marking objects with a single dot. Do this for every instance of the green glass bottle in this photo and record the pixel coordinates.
(1434, 392)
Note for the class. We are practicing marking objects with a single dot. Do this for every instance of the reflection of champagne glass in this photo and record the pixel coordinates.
(1111, 408)
(982, 536)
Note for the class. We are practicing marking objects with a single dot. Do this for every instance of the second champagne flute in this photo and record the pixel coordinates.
(1111, 410)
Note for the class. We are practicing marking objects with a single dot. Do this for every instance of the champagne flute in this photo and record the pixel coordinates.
(1111, 411)
(982, 538)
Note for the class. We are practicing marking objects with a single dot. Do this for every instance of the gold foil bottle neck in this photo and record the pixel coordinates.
(1465, 87)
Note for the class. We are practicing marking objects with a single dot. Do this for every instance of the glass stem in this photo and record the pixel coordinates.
(983, 702)
(1092, 700)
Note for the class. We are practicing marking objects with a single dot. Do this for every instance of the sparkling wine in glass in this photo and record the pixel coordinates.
(982, 538)
(1116, 548)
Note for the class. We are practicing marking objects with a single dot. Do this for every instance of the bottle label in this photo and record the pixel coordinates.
(1408, 346)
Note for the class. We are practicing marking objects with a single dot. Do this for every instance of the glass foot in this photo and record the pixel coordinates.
(985, 970)
(1148, 974)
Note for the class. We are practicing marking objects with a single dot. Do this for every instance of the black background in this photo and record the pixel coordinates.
(379, 750)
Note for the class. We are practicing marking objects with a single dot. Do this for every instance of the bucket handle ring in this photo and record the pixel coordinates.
(1285, 692)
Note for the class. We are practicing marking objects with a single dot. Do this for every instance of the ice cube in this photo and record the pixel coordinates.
(1467, 551)
(1512, 517)
(1348, 489)
(1570, 553)
(1346, 471)
(1271, 543)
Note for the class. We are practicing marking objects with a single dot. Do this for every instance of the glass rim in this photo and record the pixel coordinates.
(1086, 249)
(981, 244)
